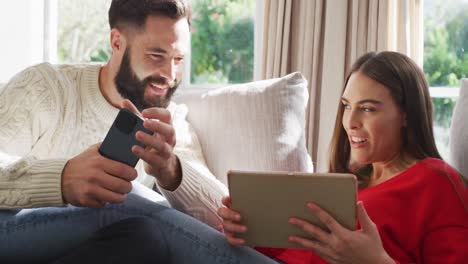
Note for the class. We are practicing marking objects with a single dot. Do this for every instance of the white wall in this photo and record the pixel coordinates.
(21, 33)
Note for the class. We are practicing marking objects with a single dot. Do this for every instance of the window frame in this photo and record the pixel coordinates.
(444, 92)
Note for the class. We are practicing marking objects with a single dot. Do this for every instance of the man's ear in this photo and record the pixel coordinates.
(118, 40)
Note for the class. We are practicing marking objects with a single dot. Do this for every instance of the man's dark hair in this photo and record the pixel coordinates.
(133, 13)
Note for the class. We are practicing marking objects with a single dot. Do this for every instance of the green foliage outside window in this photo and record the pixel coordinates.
(445, 53)
(445, 57)
(446, 46)
(83, 31)
(222, 41)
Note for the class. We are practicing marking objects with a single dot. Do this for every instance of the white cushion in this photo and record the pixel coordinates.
(252, 126)
(459, 132)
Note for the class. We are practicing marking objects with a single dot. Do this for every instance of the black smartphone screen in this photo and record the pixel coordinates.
(121, 137)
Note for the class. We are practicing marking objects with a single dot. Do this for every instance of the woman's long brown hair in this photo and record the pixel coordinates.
(410, 91)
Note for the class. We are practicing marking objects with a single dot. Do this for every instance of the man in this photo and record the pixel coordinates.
(54, 116)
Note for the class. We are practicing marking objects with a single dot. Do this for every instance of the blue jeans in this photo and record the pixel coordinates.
(40, 235)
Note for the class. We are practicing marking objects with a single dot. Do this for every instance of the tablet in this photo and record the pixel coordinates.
(266, 200)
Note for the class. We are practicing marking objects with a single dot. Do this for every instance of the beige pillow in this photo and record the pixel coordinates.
(252, 126)
(459, 132)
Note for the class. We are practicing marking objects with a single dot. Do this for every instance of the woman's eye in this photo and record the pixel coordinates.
(346, 106)
(368, 109)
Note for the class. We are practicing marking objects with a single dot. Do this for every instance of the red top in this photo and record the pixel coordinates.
(421, 214)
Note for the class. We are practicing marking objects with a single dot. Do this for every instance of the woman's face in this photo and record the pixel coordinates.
(372, 121)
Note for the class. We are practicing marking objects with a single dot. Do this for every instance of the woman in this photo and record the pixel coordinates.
(416, 204)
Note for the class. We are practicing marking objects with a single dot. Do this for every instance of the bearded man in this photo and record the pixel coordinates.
(54, 184)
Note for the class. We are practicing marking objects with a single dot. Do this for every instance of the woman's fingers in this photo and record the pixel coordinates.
(230, 227)
(316, 232)
(235, 241)
(234, 228)
(313, 245)
(364, 219)
(229, 214)
(326, 219)
(226, 201)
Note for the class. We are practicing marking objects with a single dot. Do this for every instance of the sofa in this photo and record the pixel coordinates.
(458, 139)
(252, 126)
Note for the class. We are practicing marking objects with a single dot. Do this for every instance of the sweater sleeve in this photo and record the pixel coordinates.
(25, 112)
(200, 192)
(446, 245)
(446, 240)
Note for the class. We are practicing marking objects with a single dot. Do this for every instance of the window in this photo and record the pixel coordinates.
(222, 41)
(445, 60)
(222, 38)
(21, 28)
(82, 31)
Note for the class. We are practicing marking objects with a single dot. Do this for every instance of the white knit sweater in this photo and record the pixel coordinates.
(50, 113)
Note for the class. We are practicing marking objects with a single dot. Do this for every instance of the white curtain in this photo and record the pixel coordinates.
(321, 39)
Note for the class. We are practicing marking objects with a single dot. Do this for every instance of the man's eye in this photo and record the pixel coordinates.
(156, 56)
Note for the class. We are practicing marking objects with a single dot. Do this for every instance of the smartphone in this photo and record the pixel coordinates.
(120, 138)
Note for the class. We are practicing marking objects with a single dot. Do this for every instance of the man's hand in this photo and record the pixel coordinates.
(91, 180)
(159, 157)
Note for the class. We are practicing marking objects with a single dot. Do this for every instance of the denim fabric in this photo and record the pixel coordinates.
(132, 240)
(40, 235)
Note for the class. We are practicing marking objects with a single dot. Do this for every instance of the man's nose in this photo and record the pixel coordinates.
(168, 70)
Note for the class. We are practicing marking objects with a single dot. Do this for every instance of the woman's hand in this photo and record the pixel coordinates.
(342, 245)
(230, 223)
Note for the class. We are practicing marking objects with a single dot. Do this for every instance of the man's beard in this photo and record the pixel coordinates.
(131, 87)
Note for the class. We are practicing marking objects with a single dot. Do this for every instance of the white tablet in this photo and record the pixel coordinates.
(266, 200)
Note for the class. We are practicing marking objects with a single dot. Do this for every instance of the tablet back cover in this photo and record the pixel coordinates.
(266, 200)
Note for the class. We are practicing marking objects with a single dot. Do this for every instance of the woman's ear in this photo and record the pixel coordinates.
(403, 121)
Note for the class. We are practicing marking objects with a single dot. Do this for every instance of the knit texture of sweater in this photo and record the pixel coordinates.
(51, 113)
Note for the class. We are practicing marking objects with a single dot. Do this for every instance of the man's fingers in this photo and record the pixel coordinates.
(165, 130)
(93, 203)
(163, 149)
(114, 184)
(95, 146)
(150, 157)
(107, 196)
(160, 114)
(118, 169)
(95, 196)
(130, 106)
